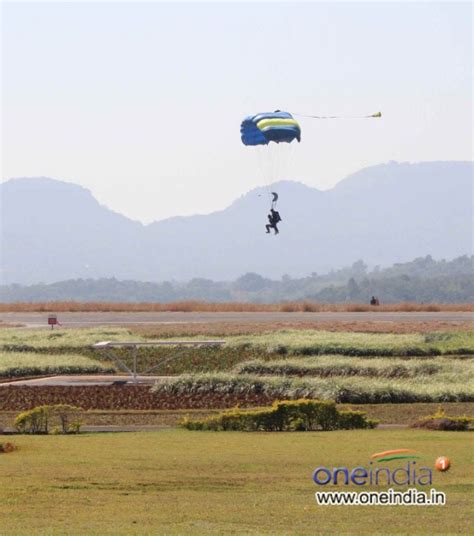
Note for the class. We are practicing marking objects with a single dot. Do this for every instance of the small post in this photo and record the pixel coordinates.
(52, 320)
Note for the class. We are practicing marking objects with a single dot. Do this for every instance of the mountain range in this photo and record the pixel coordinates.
(53, 230)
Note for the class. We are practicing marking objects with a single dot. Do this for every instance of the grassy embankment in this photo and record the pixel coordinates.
(177, 482)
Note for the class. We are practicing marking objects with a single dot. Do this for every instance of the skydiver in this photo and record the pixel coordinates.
(273, 218)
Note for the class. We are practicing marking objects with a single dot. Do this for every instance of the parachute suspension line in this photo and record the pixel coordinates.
(274, 161)
(272, 132)
(282, 156)
(371, 116)
(274, 157)
(265, 163)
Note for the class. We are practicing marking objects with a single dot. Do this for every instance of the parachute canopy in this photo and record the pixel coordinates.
(263, 128)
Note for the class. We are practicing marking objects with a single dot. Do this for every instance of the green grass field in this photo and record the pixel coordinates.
(177, 482)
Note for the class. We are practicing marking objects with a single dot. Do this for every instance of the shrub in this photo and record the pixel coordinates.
(39, 419)
(440, 421)
(287, 415)
(351, 420)
(33, 421)
(7, 447)
(74, 427)
(64, 413)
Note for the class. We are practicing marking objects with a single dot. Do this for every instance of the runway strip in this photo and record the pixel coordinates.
(38, 320)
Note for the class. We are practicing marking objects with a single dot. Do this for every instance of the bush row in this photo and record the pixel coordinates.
(22, 371)
(341, 390)
(304, 368)
(295, 415)
(291, 342)
(358, 351)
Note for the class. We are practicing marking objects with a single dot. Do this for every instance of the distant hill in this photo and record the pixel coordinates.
(53, 231)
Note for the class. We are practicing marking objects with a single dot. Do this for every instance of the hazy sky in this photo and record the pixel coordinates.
(142, 102)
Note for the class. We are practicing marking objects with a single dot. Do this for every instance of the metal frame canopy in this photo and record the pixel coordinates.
(107, 347)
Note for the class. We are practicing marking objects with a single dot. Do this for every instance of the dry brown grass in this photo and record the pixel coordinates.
(226, 329)
(197, 306)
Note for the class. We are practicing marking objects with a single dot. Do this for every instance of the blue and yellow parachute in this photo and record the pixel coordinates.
(263, 128)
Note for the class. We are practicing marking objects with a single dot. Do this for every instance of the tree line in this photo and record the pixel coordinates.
(422, 280)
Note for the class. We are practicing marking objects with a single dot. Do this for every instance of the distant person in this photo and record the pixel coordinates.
(373, 301)
(377, 301)
(273, 219)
